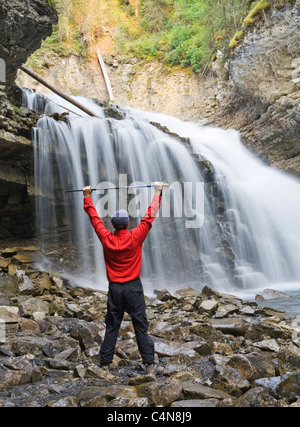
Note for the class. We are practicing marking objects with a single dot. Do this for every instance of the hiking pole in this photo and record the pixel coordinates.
(118, 188)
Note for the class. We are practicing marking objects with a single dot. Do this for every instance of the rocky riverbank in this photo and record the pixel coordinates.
(212, 349)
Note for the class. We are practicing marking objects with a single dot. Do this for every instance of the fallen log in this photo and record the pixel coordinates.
(57, 91)
(105, 75)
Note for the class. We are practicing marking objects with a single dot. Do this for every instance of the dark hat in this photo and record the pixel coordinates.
(120, 219)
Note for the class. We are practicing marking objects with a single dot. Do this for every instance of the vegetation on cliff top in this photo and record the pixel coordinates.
(177, 32)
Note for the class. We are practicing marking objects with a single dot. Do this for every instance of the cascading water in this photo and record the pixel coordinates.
(241, 233)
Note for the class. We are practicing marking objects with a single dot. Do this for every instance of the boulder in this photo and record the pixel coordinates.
(100, 396)
(233, 326)
(29, 324)
(289, 388)
(161, 393)
(65, 402)
(274, 294)
(29, 344)
(83, 335)
(9, 314)
(9, 285)
(257, 397)
(225, 310)
(209, 306)
(172, 348)
(252, 366)
(196, 403)
(230, 380)
(33, 305)
(198, 391)
(43, 283)
(4, 300)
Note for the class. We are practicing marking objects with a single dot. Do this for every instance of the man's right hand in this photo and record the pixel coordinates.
(87, 191)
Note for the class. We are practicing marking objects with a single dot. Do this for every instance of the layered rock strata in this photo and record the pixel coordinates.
(23, 26)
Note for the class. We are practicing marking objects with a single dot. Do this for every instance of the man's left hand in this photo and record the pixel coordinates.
(87, 191)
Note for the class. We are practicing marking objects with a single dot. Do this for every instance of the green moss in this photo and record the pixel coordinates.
(16, 109)
(52, 4)
(255, 12)
(236, 39)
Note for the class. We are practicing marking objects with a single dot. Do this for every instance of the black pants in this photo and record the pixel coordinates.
(127, 297)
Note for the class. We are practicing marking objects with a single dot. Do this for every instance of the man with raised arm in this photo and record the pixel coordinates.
(123, 259)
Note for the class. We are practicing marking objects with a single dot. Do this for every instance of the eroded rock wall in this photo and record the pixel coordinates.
(262, 95)
(24, 24)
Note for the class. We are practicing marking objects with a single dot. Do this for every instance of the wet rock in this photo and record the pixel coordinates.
(270, 345)
(29, 324)
(9, 285)
(100, 396)
(253, 365)
(60, 364)
(161, 393)
(142, 379)
(225, 310)
(125, 402)
(34, 305)
(83, 335)
(230, 380)
(233, 326)
(273, 294)
(198, 391)
(268, 328)
(196, 403)
(4, 300)
(43, 283)
(9, 314)
(257, 397)
(208, 306)
(289, 388)
(174, 348)
(29, 344)
(66, 402)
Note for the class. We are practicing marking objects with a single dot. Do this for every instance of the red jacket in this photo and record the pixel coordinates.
(122, 249)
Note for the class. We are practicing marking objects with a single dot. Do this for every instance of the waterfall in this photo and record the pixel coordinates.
(228, 221)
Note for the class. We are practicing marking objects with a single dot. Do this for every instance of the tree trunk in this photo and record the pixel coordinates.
(57, 91)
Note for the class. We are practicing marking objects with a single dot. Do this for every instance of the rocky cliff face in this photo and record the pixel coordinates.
(262, 94)
(23, 26)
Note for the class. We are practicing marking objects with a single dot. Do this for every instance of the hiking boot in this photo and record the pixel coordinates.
(151, 369)
(104, 373)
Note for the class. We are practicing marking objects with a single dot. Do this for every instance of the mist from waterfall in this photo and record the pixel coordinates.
(251, 242)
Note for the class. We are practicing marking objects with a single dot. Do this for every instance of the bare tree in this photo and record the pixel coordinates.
(137, 7)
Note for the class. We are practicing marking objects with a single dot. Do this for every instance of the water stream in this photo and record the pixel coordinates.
(238, 231)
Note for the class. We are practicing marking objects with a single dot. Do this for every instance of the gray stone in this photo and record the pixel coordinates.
(198, 391)
(232, 326)
(9, 314)
(253, 365)
(196, 403)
